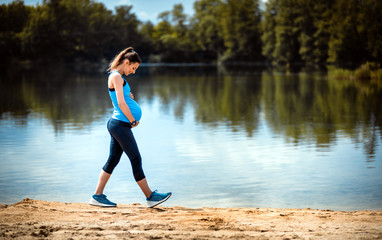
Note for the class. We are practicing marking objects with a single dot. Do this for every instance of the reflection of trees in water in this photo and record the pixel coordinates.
(63, 98)
(306, 108)
(370, 139)
(216, 99)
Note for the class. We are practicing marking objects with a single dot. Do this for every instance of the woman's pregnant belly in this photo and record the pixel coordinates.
(135, 109)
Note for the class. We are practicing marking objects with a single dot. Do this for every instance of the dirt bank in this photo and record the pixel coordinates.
(34, 219)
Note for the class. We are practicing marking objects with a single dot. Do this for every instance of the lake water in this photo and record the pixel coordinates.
(215, 137)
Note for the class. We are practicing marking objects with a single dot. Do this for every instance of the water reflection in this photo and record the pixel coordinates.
(305, 108)
(247, 136)
(57, 94)
(215, 99)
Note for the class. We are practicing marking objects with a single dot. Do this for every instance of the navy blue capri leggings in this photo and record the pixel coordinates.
(122, 140)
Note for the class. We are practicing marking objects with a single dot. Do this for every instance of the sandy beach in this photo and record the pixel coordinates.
(35, 219)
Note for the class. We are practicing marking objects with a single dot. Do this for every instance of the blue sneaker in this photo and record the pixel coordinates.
(101, 200)
(157, 198)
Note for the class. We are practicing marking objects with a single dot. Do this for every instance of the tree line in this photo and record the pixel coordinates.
(285, 32)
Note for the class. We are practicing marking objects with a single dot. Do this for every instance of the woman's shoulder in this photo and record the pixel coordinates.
(115, 76)
(117, 80)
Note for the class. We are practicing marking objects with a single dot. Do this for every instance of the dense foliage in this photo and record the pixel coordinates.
(285, 32)
(334, 31)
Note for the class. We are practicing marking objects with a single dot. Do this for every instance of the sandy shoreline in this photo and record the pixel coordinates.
(35, 219)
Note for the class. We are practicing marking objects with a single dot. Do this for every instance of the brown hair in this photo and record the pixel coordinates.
(128, 54)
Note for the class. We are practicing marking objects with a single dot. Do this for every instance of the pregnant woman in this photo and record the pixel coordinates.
(127, 114)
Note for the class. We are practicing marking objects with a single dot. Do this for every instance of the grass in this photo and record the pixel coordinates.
(367, 71)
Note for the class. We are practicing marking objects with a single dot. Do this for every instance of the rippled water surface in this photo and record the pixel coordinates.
(218, 137)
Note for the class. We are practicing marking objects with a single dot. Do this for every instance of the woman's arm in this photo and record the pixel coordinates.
(117, 81)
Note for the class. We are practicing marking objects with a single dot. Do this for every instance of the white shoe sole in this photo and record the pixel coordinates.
(96, 203)
(156, 203)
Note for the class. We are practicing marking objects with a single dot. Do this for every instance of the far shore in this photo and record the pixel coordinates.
(36, 219)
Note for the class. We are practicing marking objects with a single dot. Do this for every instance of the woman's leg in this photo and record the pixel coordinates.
(145, 187)
(122, 133)
(114, 157)
(103, 178)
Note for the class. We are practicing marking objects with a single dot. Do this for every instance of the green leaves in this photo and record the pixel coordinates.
(285, 32)
(73, 29)
(314, 32)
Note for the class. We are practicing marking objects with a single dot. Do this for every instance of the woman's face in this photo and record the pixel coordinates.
(131, 68)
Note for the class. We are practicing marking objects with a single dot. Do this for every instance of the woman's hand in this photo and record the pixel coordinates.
(135, 125)
(131, 95)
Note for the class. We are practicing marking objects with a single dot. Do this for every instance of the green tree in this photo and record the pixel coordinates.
(56, 29)
(13, 17)
(179, 20)
(287, 32)
(207, 28)
(185, 37)
(268, 24)
(241, 30)
(348, 34)
(147, 44)
(39, 34)
(322, 11)
(371, 19)
(174, 39)
(305, 24)
(163, 35)
(78, 29)
(98, 39)
(124, 28)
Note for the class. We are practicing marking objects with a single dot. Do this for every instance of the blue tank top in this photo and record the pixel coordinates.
(133, 106)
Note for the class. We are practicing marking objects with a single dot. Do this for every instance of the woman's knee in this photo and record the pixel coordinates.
(111, 163)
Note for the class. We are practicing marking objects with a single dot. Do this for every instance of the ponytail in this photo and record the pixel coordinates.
(128, 54)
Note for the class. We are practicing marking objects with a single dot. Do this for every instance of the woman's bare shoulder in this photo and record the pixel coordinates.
(115, 78)
(115, 75)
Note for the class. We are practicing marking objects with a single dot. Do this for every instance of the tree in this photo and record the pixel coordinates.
(124, 28)
(371, 19)
(241, 30)
(348, 39)
(287, 33)
(268, 36)
(174, 39)
(98, 39)
(207, 28)
(322, 14)
(306, 29)
(13, 17)
(147, 44)
(78, 29)
(56, 30)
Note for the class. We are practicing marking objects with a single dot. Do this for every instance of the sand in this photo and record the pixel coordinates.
(35, 219)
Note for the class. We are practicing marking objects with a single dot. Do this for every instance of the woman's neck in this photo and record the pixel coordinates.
(119, 69)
